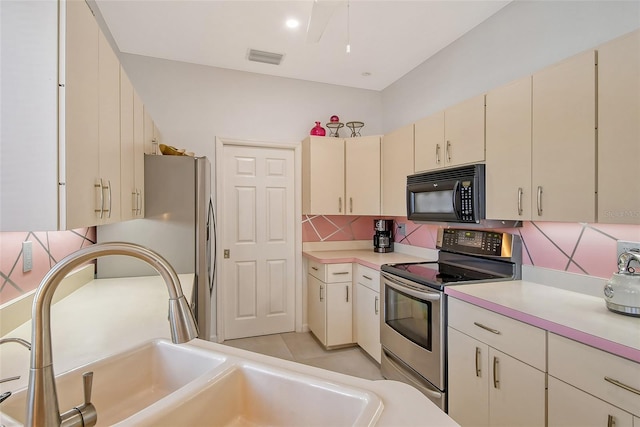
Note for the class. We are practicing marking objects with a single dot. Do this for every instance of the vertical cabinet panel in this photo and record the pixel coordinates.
(429, 143)
(339, 313)
(362, 175)
(464, 132)
(619, 130)
(316, 294)
(508, 144)
(323, 176)
(564, 147)
(128, 195)
(397, 163)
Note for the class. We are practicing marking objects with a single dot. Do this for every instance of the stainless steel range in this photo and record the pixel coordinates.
(413, 324)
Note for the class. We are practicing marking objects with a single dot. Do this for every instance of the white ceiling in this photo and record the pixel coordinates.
(388, 38)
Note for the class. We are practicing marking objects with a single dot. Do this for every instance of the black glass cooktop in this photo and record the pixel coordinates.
(436, 274)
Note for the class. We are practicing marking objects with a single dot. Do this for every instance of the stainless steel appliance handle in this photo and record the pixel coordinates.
(622, 385)
(429, 392)
(519, 200)
(422, 294)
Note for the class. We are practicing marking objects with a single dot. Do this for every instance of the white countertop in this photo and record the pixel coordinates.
(108, 316)
(367, 257)
(581, 317)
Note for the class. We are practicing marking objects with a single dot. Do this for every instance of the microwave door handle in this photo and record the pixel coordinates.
(456, 208)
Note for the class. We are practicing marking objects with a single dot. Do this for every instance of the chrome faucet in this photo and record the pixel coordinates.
(42, 399)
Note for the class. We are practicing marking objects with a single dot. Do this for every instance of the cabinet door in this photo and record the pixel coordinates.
(564, 148)
(569, 406)
(508, 143)
(468, 371)
(150, 144)
(138, 151)
(80, 196)
(429, 143)
(128, 195)
(517, 392)
(109, 128)
(362, 171)
(368, 321)
(619, 130)
(397, 163)
(464, 132)
(339, 314)
(316, 301)
(323, 176)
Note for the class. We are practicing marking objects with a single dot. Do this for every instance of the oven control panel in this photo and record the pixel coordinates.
(476, 242)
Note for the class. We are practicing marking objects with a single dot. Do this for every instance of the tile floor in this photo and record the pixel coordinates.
(302, 347)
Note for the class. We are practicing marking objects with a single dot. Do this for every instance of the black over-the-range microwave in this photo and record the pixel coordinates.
(449, 195)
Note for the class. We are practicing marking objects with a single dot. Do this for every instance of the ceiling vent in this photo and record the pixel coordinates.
(265, 57)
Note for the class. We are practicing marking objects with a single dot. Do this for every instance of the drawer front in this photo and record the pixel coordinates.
(317, 270)
(517, 339)
(586, 368)
(367, 277)
(339, 273)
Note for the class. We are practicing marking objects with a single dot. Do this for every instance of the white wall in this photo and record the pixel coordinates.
(523, 37)
(192, 104)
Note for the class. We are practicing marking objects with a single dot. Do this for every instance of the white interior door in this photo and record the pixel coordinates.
(259, 234)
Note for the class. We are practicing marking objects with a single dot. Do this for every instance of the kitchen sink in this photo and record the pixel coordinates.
(127, 382)
(255, 395)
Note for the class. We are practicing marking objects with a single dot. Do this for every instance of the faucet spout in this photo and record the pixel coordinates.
(42, 399)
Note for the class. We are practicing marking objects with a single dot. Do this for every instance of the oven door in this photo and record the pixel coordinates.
(411, 327)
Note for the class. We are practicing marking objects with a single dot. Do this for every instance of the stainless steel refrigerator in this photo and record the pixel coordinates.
(179, 224)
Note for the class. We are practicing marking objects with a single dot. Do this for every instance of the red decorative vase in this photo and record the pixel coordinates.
(318, 130)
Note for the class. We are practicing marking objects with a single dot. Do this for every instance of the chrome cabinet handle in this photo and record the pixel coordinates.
(486, 328)
(520, 201)
(340, 204)
(321, 296)
(376, 304)
(139, 202)
(347, 289)
(611, 421)
(350, 204)
(367, 277)
(101, 210)
(134, 202)
(496, 381)
(622, 385)
(338, 273)
(437, 153)
(478, 369)
(314, 268)
(539, 200)
(109, 188)
(447, 151)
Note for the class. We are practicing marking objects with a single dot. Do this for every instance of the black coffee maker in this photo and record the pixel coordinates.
(383, 237)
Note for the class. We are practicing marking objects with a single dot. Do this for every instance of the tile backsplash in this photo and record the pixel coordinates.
(573, 247)
(48, 247)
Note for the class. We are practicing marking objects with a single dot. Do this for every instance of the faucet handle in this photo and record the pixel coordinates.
(87, 384)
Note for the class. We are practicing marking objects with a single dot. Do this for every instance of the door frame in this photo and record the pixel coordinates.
(296, 147)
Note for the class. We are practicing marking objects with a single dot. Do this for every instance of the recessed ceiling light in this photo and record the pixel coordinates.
(293, 23)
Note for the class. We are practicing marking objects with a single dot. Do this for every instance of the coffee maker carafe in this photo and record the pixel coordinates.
(383, 237)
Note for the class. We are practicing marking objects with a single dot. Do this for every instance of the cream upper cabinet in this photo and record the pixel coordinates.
(496, 369)
(341, 177)
(151, 134)
(397, 163)
(508, 155)
(564, 141)
(451, 137)
(132, 151)
(362, 175)
(619, 130)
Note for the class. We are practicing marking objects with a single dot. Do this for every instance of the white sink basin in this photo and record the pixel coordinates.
(255, 395)
(128, 382)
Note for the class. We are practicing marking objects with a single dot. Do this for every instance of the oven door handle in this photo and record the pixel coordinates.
(421, 294)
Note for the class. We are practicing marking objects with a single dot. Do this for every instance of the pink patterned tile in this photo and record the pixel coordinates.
(308, 232)
(619, 231)
(596, 254)
(542, 251)
(563, 234)
(362, 228)
(10, 247)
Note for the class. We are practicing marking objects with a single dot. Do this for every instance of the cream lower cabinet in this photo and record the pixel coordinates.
(619, 130)
(397, 163)
(590, 387)
(329, 303)
(367, 310)
(496, 369)
(341, 176)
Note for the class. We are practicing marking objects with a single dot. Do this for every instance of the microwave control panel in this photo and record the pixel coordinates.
(466, 199)
(477, 242)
